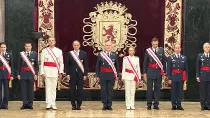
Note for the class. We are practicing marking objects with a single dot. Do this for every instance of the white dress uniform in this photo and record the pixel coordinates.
(51, 73)
(130, 84)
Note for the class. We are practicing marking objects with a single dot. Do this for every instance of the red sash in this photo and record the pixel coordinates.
(50, 64)
(28, 62)
(54, 58)
(184, 74)
(76, 58)
(136, 78)
(154, 56)
(25, 69)
(109, 62)
(205, 68)
(6, 66)
(152, 65)
(104, 69)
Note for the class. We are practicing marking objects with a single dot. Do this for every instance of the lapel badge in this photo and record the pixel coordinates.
(202, 59)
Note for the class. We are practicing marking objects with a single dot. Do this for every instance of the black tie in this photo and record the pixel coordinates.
(178, 57)
(27, 54)
(107, 54)
(155, 51)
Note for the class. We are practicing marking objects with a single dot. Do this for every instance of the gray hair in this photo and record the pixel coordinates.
(206, 44)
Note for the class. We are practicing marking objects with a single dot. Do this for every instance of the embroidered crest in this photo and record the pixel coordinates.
(110, 22)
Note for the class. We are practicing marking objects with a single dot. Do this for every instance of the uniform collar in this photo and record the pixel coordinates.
(206, 54)
(3, 53)
(28, 52)
(77, 51)
(131, 56)
(178, 55)
(155, 49)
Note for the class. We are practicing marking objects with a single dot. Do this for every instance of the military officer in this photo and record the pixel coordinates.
(27, 72)
(51, 69)
(131, 75)
(76, 71)
(203, 76)
(107, 69)
(153, 69)
(177, 74)
(6, 74)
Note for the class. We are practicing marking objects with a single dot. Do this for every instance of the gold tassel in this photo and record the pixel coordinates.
(59, 85)
(10, 84)
(137, 84)
(115, 84)
(185, 85)
(34, 86)
(163, 81)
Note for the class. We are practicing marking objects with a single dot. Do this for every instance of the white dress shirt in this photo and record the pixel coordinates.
(206, 54)
(77, 52)
(178, 55)
(155, 49)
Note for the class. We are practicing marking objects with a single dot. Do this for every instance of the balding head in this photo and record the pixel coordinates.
(76, 45)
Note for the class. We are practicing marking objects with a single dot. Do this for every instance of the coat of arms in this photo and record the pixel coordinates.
(110, 22)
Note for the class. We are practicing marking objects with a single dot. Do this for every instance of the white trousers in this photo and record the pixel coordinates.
(130, 89)
(50, 89)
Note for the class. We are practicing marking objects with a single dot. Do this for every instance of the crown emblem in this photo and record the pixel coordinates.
(110, 6)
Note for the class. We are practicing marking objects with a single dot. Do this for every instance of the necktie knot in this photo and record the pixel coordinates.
(178, 56)
(108, 54)
(155, 51)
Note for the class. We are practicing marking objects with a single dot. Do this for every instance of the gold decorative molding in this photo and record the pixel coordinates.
(173, 25)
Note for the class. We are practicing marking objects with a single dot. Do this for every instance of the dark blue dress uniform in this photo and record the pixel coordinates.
(153, 75)
(5, 80)
(27, 78)
(107, 79)
(176, 69)
(203, 72)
